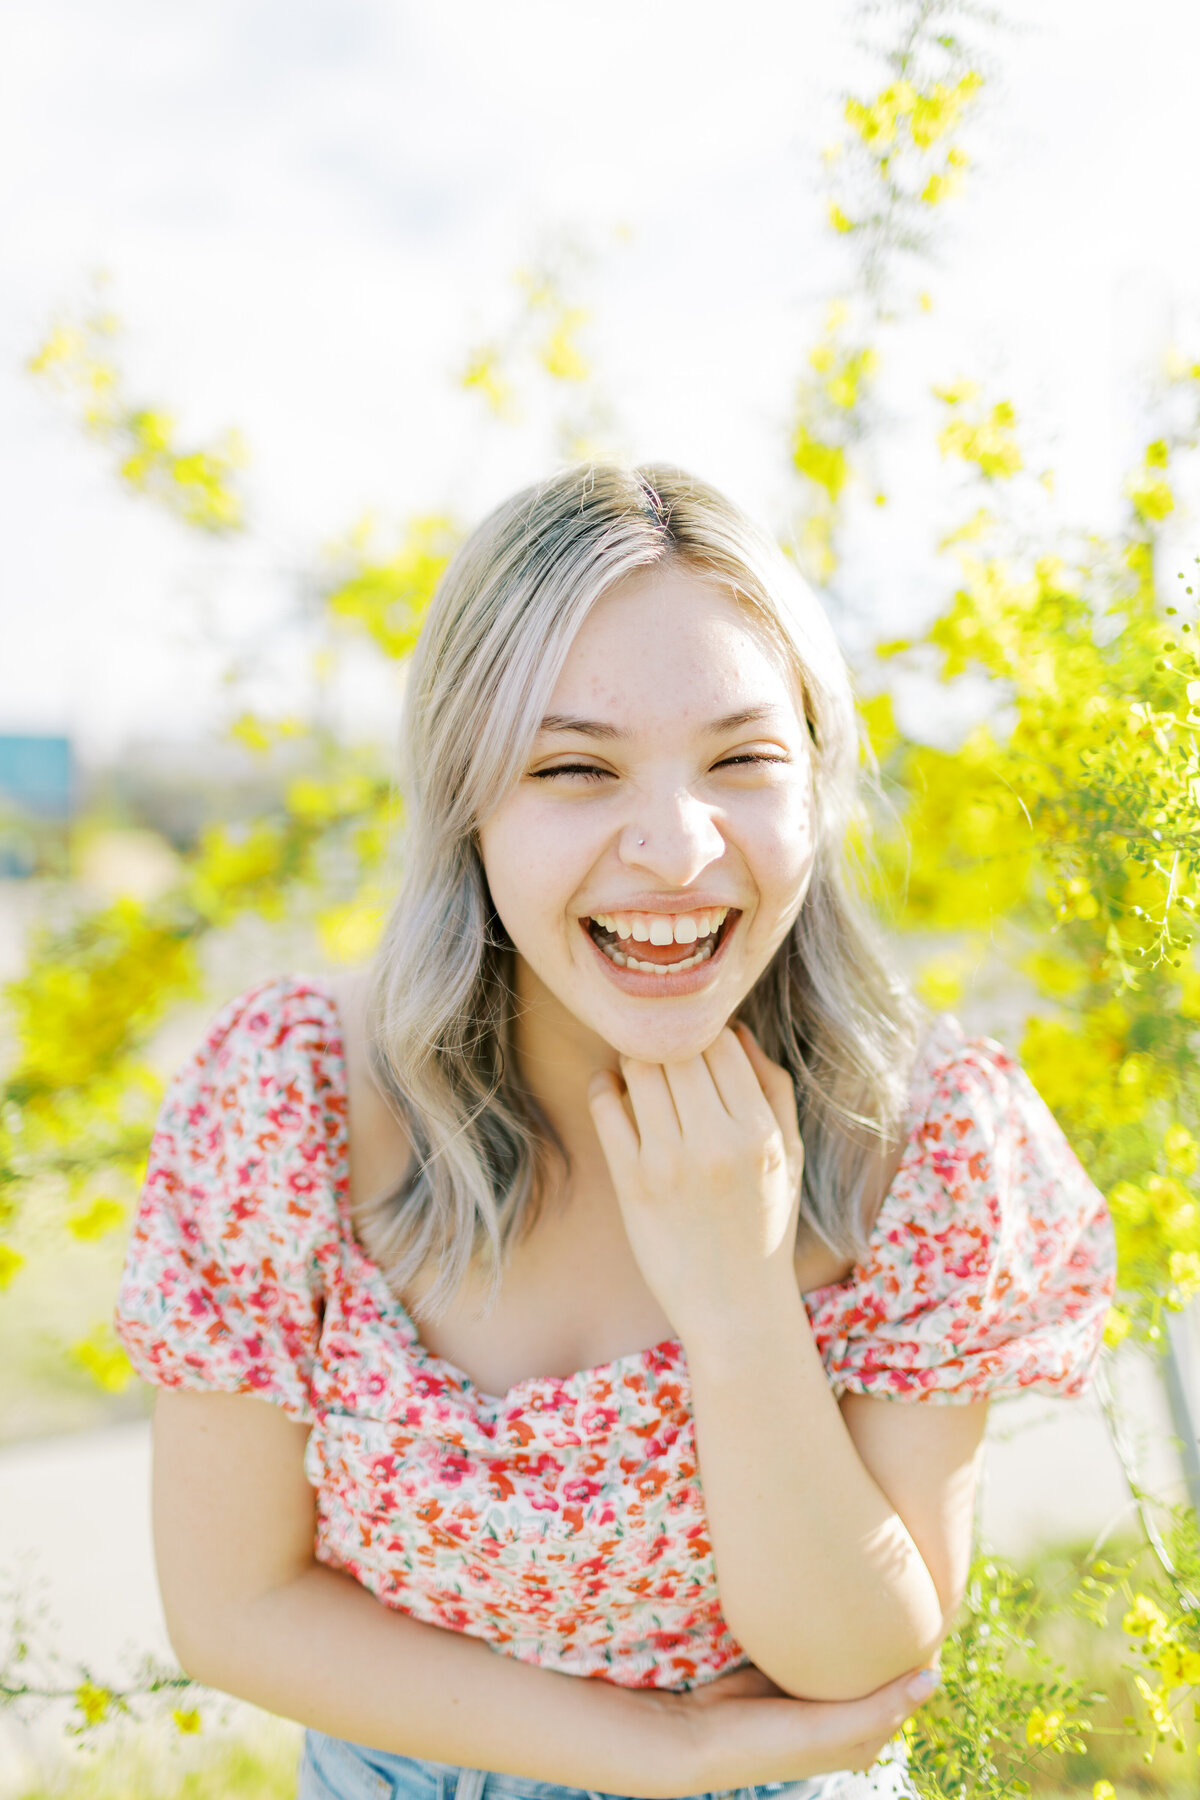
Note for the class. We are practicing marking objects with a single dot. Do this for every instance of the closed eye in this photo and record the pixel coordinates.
(591, 773)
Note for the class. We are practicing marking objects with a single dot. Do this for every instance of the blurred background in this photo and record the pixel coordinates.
(292, 293)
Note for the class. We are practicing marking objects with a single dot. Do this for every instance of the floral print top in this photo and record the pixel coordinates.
(563, 1522)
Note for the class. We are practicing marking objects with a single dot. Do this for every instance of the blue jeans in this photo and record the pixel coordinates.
(335, 1769)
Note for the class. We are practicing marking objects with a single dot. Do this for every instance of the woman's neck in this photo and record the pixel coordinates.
(556, 1056)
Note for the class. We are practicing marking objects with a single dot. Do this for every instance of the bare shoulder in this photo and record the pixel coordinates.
(380, 1147)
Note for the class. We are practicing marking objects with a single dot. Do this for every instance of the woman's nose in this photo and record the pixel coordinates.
(675, 839)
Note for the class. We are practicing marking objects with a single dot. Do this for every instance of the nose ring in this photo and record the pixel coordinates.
(641, 843)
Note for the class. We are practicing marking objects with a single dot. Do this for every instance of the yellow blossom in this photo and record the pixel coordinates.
(1183, 1152)
(1145, 1619)
(987, 441)
(1157, 1703)
(104, 1360)
(939, 111)
(956, 392)
(1042, 1728)
(101, 1217)
(10, 1261)
(483, 372)
(188, 1721)
(350, 933)
(1116, 1328)
(559, 354)
(825, 464)
(92, 1701)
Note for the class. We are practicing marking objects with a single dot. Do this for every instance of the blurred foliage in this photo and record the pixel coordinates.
(1060, 838)
(198, 485)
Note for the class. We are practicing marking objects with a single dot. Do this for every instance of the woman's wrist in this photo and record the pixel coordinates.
(748, 1334)
(664, 1735)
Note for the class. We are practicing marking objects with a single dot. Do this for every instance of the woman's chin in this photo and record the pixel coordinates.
(675, 1041)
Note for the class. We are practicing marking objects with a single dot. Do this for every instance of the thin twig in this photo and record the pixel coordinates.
(1128, 1462)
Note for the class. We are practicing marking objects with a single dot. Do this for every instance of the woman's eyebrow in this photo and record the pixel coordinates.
(597, 728)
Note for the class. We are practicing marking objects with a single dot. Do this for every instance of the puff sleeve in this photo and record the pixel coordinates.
(992, 1263)
(236, 1227)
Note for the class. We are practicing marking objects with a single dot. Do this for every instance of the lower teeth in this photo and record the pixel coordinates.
(646, 968)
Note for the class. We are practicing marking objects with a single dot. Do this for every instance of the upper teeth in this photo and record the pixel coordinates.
(662, 928)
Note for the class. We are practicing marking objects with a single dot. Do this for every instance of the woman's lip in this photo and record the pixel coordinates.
(663, 987)
(673, 907)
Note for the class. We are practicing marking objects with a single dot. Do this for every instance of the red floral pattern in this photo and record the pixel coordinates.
(564, 1522)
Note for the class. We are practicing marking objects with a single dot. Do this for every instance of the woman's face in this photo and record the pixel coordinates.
(658, 847)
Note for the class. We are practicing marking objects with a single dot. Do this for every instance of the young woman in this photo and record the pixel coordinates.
(613, 1283)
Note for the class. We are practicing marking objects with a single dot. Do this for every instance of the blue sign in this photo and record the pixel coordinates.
(36, 775)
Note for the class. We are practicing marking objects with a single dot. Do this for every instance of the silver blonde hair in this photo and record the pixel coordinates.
(830, 1007)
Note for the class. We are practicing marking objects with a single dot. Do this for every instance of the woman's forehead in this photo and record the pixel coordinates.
(671, 641)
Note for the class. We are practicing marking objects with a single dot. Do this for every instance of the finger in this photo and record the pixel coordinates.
(776, 1084)
(863, 1726)
(614, 1127)
(736, 1080)
(650, 1097)
(698, 1101)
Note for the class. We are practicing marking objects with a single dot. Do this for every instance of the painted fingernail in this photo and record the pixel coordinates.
(922, 1685)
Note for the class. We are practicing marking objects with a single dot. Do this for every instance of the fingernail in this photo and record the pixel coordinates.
(922, 1685)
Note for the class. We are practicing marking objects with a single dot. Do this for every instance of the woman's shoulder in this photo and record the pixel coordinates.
(259, 1109)
(283, 1020)
(992, 1262)
(380, 1149)
(238, 1226)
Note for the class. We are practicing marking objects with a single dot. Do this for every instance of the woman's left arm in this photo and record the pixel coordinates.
(841, 1534)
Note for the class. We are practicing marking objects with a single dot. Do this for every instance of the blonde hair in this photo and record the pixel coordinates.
(829, 1008)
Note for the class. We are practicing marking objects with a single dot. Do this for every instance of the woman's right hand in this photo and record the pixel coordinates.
(747, 1731)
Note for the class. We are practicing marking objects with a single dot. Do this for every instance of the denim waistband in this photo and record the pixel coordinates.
(334, 1768)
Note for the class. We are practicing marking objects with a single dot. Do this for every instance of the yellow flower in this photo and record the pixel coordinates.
(186, 1721)
(1042, 1728)
(102, 1216)
(10, 1261)
(1116, 1328)
(1184, 1267)
(1156, 1701)
(838, 219)
(92, 1701)
(483, 372)
(1182, 1150)
(249, 731)
(824, 464)
(559, 355)
(956, 392)
(1145, 1619)
(1152, 499)
(988, 442)
(1178, 1667)
(350, 933)
(1103, 1790)
(104, 1360)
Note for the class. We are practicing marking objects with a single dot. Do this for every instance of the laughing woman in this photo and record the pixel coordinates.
(611, 1283)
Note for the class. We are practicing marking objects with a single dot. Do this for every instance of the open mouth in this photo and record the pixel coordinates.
(658, 944)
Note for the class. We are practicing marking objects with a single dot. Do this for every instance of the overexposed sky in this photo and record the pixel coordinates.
(310, 209)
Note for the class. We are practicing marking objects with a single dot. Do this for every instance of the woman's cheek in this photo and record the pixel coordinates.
(535, 864)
